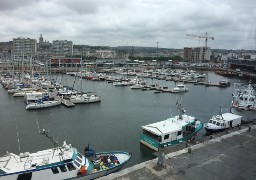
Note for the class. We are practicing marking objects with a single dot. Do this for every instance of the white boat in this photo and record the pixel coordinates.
(84, 98)
(171, 131)
(244, 101)
(179, 89)
(61, 162)
(137, 86)
(34, 96)
(222, 122)
(224, 83)
(23, 92)
(39, 104)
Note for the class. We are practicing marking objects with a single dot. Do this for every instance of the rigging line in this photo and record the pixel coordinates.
(17, 134)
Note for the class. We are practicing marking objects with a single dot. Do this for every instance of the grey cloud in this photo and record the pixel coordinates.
(6, 5)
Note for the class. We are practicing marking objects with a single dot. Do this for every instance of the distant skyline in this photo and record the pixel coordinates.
(132, 22)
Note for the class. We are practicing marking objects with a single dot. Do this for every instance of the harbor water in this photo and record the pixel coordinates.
(112, 124)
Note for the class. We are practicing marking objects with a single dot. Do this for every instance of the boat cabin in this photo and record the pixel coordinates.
(222, 122)
(56, 163)
(168, 132)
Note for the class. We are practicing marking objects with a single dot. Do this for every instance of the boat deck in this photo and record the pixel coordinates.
(28, 161)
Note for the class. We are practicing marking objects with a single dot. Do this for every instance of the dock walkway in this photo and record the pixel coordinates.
(230, 156)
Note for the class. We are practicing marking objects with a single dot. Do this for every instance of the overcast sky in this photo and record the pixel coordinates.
(132, 22)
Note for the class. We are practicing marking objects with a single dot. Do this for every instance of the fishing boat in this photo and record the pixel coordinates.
(244, 101)
(222, 122)
(171, 131)
(61, 162)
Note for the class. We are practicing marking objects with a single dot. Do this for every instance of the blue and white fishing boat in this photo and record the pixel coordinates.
(171, 131)
(61, 162)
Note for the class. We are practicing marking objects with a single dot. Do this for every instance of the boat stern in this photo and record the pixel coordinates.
(149, 142)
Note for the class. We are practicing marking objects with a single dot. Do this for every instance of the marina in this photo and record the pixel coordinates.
(121, 113)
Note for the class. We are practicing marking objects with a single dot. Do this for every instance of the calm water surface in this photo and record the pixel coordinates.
(113, 124)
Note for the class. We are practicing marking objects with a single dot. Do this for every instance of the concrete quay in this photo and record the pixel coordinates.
(230, 156)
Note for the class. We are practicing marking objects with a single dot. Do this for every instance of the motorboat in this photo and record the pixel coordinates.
(222, 122)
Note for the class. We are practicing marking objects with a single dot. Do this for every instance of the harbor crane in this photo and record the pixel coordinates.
(199, 36)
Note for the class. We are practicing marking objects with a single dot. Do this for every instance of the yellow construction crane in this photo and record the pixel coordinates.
(199, 36)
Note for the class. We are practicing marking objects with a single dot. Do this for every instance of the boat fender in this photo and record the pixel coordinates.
(82, 170)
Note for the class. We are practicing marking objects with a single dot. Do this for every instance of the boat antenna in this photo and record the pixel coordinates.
(181, 109)
(46, 133)
(221, 112)
(17, 135)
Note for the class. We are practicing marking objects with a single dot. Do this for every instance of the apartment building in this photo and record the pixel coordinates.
(197, 54)
(62, 48)
(24, 48)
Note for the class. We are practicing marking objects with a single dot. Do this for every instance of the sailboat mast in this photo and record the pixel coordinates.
(81, 75)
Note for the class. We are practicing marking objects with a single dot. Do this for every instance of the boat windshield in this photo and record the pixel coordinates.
(151, 135)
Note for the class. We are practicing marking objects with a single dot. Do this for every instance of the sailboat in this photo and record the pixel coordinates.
(84, 97)
(45, 101)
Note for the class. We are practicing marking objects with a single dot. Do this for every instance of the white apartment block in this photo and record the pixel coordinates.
(62, 47)
(23, 48)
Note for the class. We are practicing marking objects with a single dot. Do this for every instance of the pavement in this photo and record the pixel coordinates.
(231, 156)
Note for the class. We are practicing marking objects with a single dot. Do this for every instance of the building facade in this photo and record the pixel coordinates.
(24, 48)
(197, 54)
(62, 48)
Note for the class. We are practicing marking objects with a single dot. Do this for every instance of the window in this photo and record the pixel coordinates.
(179, 133)
(218, 124)
(77, 164)
(71, 167)
(63, 168)
(166, 136)
(79, 155)
(55, 170)
(25, 176)
(79, 160)
(214, 122)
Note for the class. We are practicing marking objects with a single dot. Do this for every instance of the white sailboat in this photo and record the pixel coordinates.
(44, 102)
(83, 97)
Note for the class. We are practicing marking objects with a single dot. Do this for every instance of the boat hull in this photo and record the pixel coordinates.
(214, 130)
(43, 105)
(43, 174)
